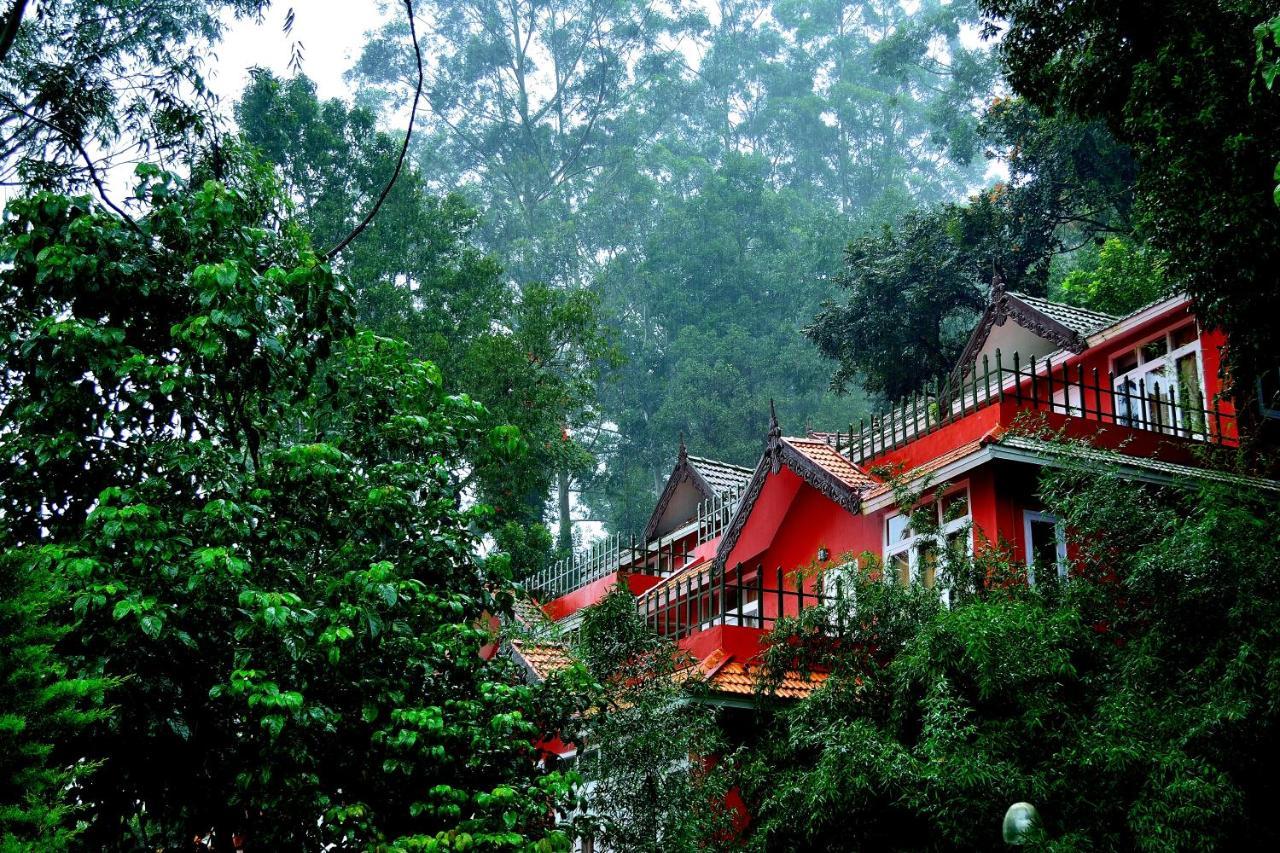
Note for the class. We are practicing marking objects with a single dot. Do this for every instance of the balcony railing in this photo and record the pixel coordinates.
(751, 598)
(661, 556)
(1166, 408)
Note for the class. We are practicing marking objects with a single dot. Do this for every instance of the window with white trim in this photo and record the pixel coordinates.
(909, 556)
(1269, 393)
(1045, 540)
(1160, 384)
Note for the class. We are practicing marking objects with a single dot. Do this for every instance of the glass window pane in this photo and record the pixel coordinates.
(900, 568)
(929, 566)
(1155, 349)
(1184, 335)
(1126, 362)
(1043, 547)
(899, 529)
(955, 506)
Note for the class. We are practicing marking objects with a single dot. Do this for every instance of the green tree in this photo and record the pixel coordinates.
(1132, 703)
(87, 83)
(1125, 278)
(650, 744)
(41, 707)
(258, 519)
(532, 354)
(914, 290)
(1176, 82)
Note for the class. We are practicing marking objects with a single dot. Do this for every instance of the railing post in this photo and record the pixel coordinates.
(1035, 384)
(1217, 420)
(760, 596)
(782, 608)
(738, 583)
(999, 377)
(1143, 407)
(1048, 363)
(1017, 378)
(1111, 392)
(986, 379)
(840, 604)
(720, 607)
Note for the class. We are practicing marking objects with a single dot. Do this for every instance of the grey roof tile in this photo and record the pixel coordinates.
(720, 476)
(1078, 320)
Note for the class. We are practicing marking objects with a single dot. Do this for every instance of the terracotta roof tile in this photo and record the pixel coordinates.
(542, 660)
(728, 676)
(929, 467)
(821, 453)
(527, 612)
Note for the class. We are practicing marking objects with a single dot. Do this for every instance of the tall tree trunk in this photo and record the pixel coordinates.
(564, 542)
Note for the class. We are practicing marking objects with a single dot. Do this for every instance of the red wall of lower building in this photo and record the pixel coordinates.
(585, 596)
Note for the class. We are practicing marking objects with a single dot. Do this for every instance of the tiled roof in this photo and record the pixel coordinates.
(542, 660)
(728, 676)
(1076, 319)
(958, 452)
(1114, 459)
(720, 476)
(821, 453)
(527, 612)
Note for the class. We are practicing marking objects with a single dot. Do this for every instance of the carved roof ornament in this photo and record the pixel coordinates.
(1063, 325)
(774, 445)
(682, 457)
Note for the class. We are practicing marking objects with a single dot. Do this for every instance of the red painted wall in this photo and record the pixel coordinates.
(585, 596)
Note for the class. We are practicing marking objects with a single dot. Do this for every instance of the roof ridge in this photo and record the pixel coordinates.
(718, 462)
(1044, 300)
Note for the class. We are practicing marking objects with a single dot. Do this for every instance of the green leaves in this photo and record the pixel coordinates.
(255, 519)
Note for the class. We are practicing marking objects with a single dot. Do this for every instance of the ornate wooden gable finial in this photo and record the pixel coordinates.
(682, 457)
(774, 447)
(999, 310)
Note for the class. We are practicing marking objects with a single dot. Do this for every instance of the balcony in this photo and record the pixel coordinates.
(1131, 405)
(754, 598)
(660, 557)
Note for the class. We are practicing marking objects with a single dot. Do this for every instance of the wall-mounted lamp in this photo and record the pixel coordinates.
(823, 555)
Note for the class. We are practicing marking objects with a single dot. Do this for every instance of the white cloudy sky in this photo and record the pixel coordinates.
(330, 31)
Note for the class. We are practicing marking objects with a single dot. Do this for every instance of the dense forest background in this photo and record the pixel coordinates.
(270, 394)
(690, 172)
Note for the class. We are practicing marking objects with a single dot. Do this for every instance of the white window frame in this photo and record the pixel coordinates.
(1131, 408)
(1060, 534)
(912, 545)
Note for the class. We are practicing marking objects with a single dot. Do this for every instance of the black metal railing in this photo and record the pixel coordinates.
(1170, 409)
(743, 596)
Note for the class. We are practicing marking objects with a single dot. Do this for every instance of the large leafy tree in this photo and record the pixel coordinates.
(1177, 82)
(914, 290)
(85, 84)
(1132, 704)
(530, 353)
(258, 520)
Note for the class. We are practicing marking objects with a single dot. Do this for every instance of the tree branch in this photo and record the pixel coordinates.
(12, 21)
(404, 149)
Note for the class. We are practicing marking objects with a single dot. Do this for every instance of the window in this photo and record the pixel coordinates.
(742, 603)
(1269, 393)
(1159, 385)
(910, 557)
(1046, 543)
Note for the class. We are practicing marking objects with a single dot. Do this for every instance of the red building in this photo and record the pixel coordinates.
(728, 549)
